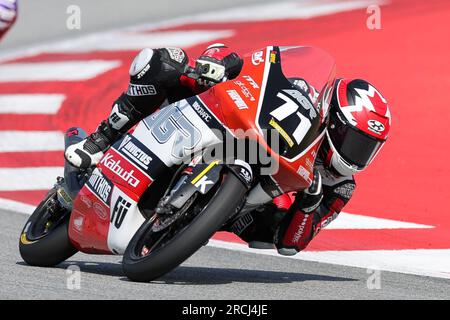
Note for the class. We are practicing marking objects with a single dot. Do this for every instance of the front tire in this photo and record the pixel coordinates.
(42, 246)
(186, 241)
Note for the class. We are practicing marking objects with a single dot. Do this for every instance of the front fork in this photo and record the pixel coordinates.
(199, 178)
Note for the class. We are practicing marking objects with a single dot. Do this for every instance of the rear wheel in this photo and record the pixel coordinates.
(44, 240)
(150, 254)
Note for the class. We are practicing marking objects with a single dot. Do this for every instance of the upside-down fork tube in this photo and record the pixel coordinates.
(203, 176)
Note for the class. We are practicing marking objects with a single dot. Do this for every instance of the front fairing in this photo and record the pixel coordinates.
(286, 90)
(296, 97)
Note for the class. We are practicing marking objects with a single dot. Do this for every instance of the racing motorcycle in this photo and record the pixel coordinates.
(156, 198)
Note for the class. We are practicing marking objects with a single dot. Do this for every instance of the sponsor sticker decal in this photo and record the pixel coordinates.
(134, 152)
(238, 101)
(201, 112)
(346, 190)
(100, 186)
(119, 212)
(281, 131)
(115, 166)
(304, 173)
(100, 211)
(273, 57)
(257, 57)
(245, 91)
(137, 90)
(375, 126)
(143, 72)
(251, 82)
(176, 54)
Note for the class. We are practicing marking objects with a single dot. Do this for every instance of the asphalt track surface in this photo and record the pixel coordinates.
(211, 273)
(45, 20)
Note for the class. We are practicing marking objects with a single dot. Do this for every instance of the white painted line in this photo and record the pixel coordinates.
(284, 10)
(26, 141)
(22, 179)
(11, 205)
(327, 7)
(136, 41)
(423, 262)
(354, 221)
(30, 103)
(55, 71)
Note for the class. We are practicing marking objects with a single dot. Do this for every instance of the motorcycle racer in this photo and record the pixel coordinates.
(358, 127)
(157, 76)
(8, 15)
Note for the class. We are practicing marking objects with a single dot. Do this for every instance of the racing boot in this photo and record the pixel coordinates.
(89, 151)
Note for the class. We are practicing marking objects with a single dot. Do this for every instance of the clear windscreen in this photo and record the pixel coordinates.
(312, 65)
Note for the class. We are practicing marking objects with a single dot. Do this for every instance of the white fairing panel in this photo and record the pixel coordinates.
(172, 134)
(125, 221)
(176, 132)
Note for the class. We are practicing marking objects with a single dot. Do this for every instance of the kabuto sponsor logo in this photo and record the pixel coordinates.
(101, 187)
(137, 90)
(114, 165)
(134, 152)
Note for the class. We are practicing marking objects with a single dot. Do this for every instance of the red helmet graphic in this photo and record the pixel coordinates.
(359, 125)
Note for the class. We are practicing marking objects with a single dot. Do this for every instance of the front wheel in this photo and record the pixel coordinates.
(44, 240)
(151, 254)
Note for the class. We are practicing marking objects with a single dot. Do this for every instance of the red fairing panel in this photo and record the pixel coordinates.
(115, 179)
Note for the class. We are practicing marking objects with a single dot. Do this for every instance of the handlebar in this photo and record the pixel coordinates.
(196, 73)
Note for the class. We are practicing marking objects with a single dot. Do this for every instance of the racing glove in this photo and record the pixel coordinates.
(297, 228)
(217, 64)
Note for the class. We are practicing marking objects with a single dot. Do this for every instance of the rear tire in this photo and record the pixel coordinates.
(45, 249)
(188, 240)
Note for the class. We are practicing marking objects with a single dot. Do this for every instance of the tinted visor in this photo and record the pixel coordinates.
(352, 145)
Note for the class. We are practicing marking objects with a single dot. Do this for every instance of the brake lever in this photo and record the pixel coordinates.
(191, 73)
(195, 73)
